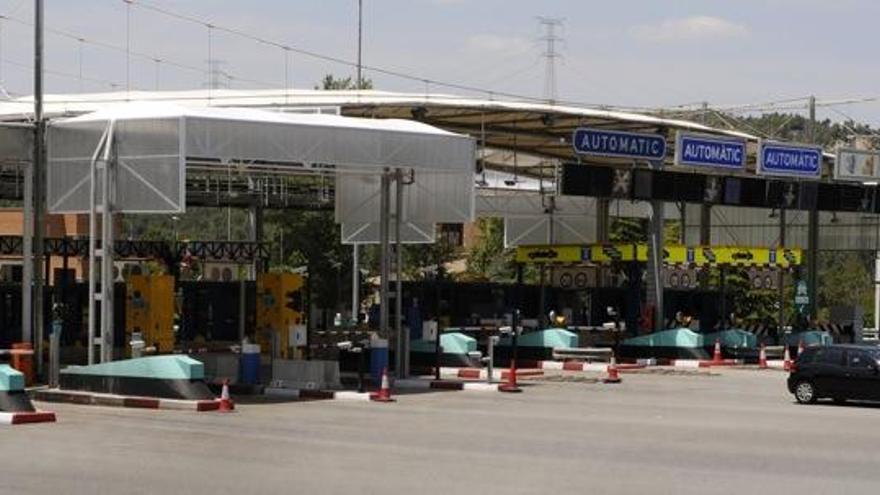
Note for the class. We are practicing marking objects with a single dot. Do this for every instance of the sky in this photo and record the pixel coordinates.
(632, 53)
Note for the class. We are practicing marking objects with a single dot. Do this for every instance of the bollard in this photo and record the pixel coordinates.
(24, 361)
(55, 353)
(490, 350)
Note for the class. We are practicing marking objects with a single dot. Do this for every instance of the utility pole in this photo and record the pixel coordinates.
(39, 172)
(550, 25)
(813, 226)
(360, 44)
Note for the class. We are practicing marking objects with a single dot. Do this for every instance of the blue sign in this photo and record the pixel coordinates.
(710, 151)
(789, 160)
(619, 144)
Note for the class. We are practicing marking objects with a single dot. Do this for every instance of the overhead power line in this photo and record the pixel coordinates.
(339, 60)
(134, 53)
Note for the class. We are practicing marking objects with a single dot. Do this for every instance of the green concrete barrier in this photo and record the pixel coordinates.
(158, 367)
(11, 380)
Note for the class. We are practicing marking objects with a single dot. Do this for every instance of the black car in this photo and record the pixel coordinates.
(839, 372)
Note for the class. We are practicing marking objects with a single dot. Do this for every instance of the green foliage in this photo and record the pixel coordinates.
(312, 239)
(330, 82)
(845, 280)
(488, 260)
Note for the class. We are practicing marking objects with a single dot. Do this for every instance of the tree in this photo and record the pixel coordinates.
(330, 82)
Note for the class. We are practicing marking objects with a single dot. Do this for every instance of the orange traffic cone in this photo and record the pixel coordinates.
(786, 360)
(800, 348)
(384, 393)
(716, 356)
(226, 404)
(762, 358)
(613, 375)
(511, 385)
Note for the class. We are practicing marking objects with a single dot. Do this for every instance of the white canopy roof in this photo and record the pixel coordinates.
(154, 141)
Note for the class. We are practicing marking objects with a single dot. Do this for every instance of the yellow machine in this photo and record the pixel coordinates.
(280, 307)
(149, 309)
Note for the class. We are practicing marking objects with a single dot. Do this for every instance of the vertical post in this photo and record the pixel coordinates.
(877, 292)
(108, 186)
(94, 269)
(683, 215)
(705, 225)
(39, 171)
(781, 278)
(360, 43)
(722, 282)
(355, 285)
(437, 348)
(27, 253)
(813, 229)
(655, 263)
(402, 337)
(515, 317)
(603, 230)
(384, 213)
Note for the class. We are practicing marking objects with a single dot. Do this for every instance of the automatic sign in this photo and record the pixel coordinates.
(635, 145)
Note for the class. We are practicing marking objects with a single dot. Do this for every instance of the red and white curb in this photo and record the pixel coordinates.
(293, 393)
(419, 384)
(482, 373)
(111, 400)
(703, 363)
(540, 366)
(21, 418)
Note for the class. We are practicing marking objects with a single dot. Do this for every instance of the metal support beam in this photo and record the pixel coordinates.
(813, 262)
(27, 257)
(705, 225)
(781, 281)
(384, 247)
(812, 228)
(38, 174)
(355, 284)
(682, 211)
(402, 337)
(603, 220)
(655, 263)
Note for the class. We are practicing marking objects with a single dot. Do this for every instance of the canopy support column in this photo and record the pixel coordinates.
(655, 263)
(384, 248)
(781, 281)
(402, 337)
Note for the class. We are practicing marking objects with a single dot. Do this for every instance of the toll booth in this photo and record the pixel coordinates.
(149, 309)
(683, 269)
(280, 326)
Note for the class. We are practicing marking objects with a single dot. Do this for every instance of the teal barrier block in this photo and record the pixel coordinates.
(733, 337)
(552, 338)
(452, 343)
(11, 380)
(677, 337)
(159, 367)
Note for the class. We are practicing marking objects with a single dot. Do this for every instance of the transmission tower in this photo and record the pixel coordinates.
(218, 78)
(550, 26)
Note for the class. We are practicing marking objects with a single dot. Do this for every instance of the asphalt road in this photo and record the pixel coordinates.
(736, 433)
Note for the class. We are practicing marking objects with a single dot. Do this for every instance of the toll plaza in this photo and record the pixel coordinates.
(645, 223)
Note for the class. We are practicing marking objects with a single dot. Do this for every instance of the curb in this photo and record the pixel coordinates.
(21, 418)
(703, 363)
(540, 366)
(110, 400)
(293, 393)
(455, 385)
(481, 373)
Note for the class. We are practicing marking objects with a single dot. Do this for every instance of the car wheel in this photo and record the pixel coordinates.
(805, 392)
